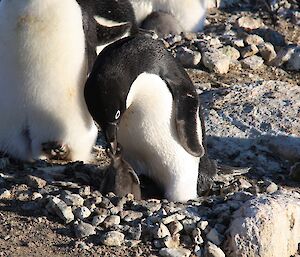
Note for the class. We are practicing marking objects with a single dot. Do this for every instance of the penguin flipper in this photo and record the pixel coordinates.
(186, 104)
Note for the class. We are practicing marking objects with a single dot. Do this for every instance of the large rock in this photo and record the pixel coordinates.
(266, 226)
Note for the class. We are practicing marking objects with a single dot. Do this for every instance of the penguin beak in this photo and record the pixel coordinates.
(111, 136)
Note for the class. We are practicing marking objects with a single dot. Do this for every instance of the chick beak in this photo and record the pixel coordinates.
(111, 136)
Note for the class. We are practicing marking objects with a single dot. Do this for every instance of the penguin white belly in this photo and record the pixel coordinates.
(149, 137)
(191, 14)
(42, 74)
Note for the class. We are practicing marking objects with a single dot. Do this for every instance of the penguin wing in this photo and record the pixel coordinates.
(186, 105)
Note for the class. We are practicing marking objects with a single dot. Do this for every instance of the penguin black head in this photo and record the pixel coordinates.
(105, 100)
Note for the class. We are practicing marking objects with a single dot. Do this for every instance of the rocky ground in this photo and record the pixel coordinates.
(245, 66)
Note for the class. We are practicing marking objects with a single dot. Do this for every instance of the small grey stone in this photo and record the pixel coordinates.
(173, 217)
(253, 62)
(238, 43)
(161, 231)
(267, 51)
(85, 191)
(106, 203)
(174, 39)
(211, 250)
(111, 221)
(4, 194)
(215, 237)
(202, 224)
(82, 213)
(189, 225)
(59, 207)
(216, 61)
(35, 182)
(231, 52)
(249, 51)
(174, 252)
(171, 241)
(83, 229)
(134, 233)
(188, 57)
(36, 196)
(113, 238)
(72, 199)
(82, 245)
(102, 212)
(249, 23)
(175, 227)
(197, 236)
(129, 215)
(98, 219)
(244, 184)
(253, 40)
(271, 187)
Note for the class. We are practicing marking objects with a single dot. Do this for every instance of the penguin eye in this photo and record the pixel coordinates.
(117, 116)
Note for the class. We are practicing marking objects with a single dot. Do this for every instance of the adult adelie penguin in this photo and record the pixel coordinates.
(190, 14)
(143, 98)
(46, 47)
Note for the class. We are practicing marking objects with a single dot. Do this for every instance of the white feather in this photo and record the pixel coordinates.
(42, 72)
(148, 134)
(191, 14)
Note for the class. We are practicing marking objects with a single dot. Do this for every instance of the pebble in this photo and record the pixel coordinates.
(173, 217)
(189, 225)
(36, 196)
(113, 238)
(35, 182)
(267, 51)
(211, 250)
(214, 237)
(253, 62)
(110, 221)
(238, 43)
(129, 215)
(98, 219)
(197, 236)
(4, 194)
(254, 40)
(175, 227)
(83, 229)
(60, 208)
(85, 190)
(72, 199)
(202, 224)
(174, 252)
(231, 52)
(187, 57)
(249, 23)
(244, 184)
(135, 233)
(171, 241)
(161, 231)
(271, 188)
(249, 51)
(82, 213)
(216, 62)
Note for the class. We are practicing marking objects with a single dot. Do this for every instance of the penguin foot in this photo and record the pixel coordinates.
(55, 150)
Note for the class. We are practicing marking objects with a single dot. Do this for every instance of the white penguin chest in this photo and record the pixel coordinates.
(49, 41)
